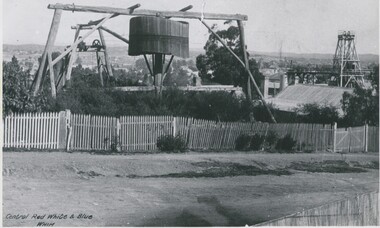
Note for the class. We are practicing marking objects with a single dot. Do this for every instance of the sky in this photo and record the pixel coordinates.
(297, 26)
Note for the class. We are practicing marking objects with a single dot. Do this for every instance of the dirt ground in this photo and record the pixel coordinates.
(191, 189)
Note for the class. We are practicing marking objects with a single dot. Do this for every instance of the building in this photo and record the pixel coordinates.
(300, 94)
(274, 81)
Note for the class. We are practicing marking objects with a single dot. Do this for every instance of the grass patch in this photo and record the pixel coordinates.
(328, 166)
(368, 165)
(217, 169)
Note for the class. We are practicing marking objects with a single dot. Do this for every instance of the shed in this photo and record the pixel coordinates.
(301, 94)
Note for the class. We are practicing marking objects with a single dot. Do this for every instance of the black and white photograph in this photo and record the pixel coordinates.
(190, 113)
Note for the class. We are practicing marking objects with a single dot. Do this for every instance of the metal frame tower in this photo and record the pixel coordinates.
(346, 60)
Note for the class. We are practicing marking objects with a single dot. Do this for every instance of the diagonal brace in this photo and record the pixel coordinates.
(81, 39)
(242, 63)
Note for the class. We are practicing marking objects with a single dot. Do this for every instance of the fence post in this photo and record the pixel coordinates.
(68, 129)
(174, 126)
(62, 130)
(118, 129)
(188, 125)
(334, 137)
(349, 139)
(366, 137)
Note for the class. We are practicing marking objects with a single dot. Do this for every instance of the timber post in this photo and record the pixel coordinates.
(366, 137)
(246, 60)
(106, 56)
(72, 59)
(49, 43)
(118, 130)
(100, 68)
(52, 77)
(334, 137)
(174, 126)
(157, 72)
(64, 129)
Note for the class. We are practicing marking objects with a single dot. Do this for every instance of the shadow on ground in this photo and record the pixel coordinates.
(218, 215)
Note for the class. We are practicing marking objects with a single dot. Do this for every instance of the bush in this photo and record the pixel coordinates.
(256, 142)
(242, 142)
(169, 143)
(270, 140)
(286, 143)
(247, 142)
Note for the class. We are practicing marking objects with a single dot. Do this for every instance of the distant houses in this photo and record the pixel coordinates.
(287, 94)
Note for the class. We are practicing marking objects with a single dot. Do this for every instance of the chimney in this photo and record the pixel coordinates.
(283, 81)
(265, 86)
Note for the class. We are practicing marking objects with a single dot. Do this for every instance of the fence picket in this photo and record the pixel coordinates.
(140, 133)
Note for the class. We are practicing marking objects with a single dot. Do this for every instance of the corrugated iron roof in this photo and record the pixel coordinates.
(300, 94)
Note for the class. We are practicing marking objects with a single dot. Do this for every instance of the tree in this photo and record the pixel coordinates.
(361, 107)
(317, 113)
(85, 96)
(179, 73)
(219, 66)
(16, 83)
(140, 65)
(374, 78)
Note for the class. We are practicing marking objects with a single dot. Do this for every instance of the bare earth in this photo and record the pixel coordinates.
(132, 190)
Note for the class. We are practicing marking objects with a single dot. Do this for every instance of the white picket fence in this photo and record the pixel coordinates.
(32, 130)
(128, 133)
(140, 133)
(92, 132)
(204, 134)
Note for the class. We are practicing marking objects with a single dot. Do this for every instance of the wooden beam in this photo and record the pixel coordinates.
(88, 27)
(71, 60)
(242, 63)
(246, 61)
(189, 7)
(81, 39)
(115, 34)
(168, 65)
(121, 11)
(222, 42)
(106, 56)
(148, 65)
(49, 43)
(52, 78)
(100, 69)
(167, 68)
(114, 15)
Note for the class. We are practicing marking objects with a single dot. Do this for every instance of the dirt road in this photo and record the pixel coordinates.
(192, 189)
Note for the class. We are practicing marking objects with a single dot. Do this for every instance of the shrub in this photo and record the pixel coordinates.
(247, 142)
(256, 142)
(270, 140)
(286, 143)
(242, 142)
(170, 143)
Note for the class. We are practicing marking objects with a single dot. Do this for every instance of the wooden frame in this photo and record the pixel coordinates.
(174, 14)
(131, 11)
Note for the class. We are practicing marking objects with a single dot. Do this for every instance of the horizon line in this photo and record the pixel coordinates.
(199, 48)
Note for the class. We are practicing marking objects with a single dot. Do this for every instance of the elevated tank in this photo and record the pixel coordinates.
(155, 35)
